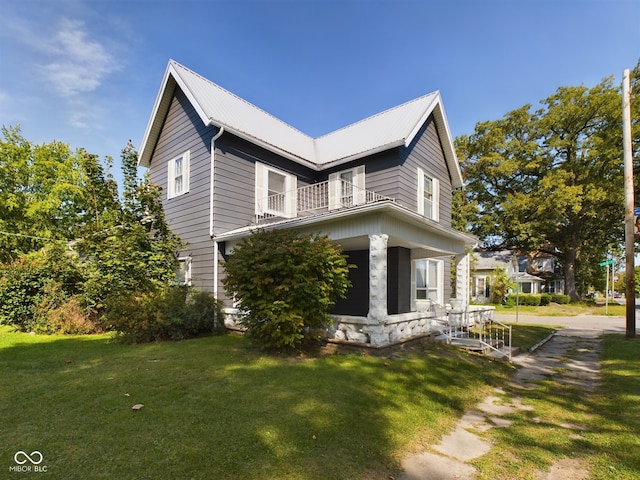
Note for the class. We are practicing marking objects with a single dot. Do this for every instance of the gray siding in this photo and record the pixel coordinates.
(394, 172)
(234, 198)
(188, 214)
(425, 152)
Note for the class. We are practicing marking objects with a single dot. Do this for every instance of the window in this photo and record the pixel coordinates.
(178, 175)
(183, 272)
(428, 280)
(428, 196)
(347, 188)
(481, 287)
(275, 192)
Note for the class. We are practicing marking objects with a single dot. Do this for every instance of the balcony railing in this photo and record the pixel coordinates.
(315, 199)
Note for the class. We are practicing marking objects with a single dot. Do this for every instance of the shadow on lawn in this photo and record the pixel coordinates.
(214, 408)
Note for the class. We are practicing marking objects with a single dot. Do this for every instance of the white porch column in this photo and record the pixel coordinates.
(463, 277)
(378, 277)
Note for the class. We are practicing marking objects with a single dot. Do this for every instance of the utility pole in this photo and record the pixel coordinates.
(629, 240)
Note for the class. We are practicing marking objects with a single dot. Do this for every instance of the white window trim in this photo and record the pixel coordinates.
(359, 187)
(262, 189)
(435, 204)
(188, 262)
(186, 174)
(417, 304)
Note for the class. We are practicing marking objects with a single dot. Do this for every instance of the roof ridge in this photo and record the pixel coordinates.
(238, 97)
(388, 110)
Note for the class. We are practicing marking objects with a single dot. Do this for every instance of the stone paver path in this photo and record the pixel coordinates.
(571, 356)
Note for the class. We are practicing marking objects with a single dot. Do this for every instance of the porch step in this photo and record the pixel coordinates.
(473, 345)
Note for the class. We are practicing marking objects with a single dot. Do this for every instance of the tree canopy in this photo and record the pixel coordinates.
(551, 178)
(67, 235)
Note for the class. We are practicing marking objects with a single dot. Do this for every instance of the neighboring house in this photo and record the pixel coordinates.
(546, 266)
(527, 276)
(381, 188)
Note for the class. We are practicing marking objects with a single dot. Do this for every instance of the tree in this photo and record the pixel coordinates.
(500, 285)
(285, 283)
(41, 194)
(54, 200)
(550, 179)
(128, 244)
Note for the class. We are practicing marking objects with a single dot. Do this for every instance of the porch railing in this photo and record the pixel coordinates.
(315, 198)
(478, 333)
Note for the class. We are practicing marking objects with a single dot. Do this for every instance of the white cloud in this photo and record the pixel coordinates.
(78, 64)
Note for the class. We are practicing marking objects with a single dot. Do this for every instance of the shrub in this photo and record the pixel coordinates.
(286, 283)
(69, 318)
(545, 299)
(500, 285)
(171, 313)
(524, 299)
(561, 299)
(36, 284)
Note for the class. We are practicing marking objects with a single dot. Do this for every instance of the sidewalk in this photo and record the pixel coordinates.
(570, 356)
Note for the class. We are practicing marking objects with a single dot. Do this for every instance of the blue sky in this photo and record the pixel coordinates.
(87, 72)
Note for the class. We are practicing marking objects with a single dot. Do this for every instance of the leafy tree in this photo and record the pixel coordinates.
(54, 200)
(550, 179)
(129, 247)
(40, 194)
(500, 285)
(285, 283)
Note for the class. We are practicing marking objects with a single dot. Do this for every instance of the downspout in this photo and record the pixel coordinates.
(211, 234)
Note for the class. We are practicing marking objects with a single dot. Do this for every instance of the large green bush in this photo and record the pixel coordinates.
(171, 313)
(524, 299)
(286, 283)
(561, 299)
(37, 284)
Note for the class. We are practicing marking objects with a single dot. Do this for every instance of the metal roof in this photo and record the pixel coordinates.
(219, 107)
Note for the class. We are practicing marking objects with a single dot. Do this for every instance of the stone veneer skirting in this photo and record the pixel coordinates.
(391, 330)
(401, 327)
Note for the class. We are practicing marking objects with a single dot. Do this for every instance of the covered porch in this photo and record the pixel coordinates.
(402, 280)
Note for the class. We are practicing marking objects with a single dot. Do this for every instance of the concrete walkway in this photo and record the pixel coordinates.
(570, 356)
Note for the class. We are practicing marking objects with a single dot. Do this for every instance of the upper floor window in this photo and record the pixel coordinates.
(428, 196)
(275, 192)
(347, 188)
(178, 175)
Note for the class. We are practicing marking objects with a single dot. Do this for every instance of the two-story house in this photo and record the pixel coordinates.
(381, 188)
(536, 273)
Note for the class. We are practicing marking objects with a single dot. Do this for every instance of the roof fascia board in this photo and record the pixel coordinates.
(447, 145)
(194, 101)
(440, 118)
(423, 119)
(149, 139)
(385, 206)
(267, 146)
(356, 156)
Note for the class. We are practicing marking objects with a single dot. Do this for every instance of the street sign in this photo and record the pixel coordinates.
(604, 264)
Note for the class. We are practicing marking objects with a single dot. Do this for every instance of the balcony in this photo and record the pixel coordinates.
(314, 199)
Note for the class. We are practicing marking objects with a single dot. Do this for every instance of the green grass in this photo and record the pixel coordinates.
(569, 310)
(527, 336)
(216, 408)
(601, 428)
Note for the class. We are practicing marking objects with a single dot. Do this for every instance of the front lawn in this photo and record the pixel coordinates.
(600, 429)
(216, 408)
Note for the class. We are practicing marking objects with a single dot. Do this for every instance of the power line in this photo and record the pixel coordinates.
(31, 236)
